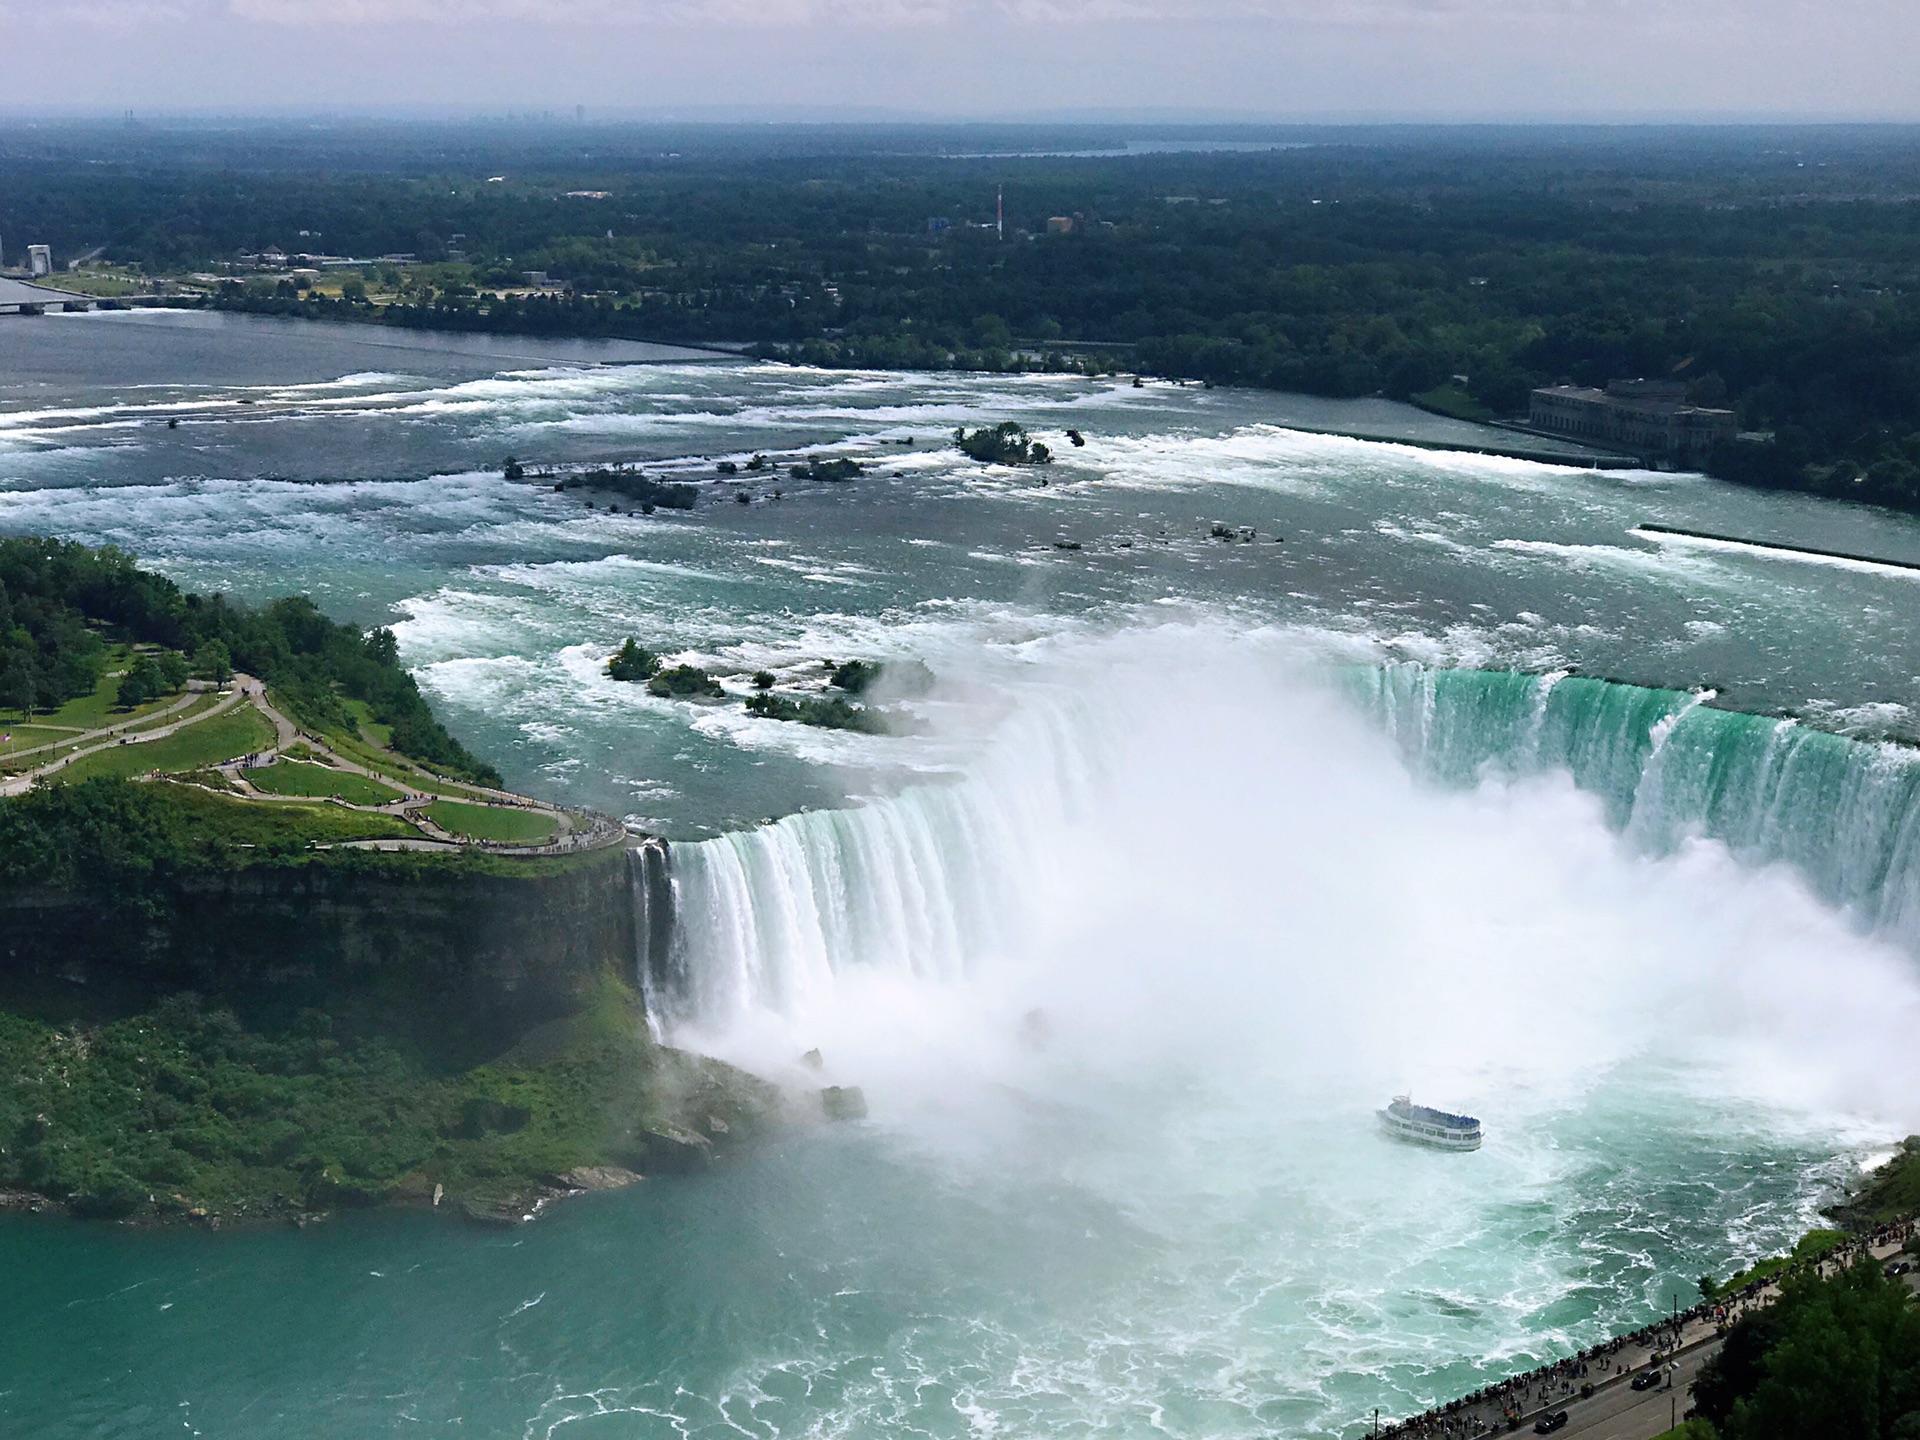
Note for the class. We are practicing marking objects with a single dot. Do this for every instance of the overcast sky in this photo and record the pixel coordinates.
(1480, 59)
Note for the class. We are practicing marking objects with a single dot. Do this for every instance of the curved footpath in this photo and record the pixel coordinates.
(573, 831)
(1613, 1409)
(107, 737)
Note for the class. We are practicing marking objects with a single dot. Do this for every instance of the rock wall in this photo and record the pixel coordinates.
(460, 962)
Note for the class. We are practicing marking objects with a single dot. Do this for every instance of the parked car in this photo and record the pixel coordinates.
(1646, 1379)
(1551, 1421)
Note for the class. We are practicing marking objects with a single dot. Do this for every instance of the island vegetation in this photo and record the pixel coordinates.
(1004, 444)
(832, 712)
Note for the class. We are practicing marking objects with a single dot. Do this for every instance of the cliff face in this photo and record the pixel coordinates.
(461, 963)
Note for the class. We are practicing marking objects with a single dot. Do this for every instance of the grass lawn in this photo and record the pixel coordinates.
(216, 821)
(92, 712)
(23, 737)
(238, 732)
(299, 778)
(362, 714)
(486, 822)
(1450, 399)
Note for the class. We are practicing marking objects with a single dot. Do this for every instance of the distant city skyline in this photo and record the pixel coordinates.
(907, 59)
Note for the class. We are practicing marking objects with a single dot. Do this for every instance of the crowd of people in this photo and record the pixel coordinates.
(1507, 1404)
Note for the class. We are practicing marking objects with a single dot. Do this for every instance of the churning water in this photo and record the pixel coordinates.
(1203, 848)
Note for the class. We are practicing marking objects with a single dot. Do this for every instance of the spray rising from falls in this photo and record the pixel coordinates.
(1133, 988)
(931, 881)
(1844, 814)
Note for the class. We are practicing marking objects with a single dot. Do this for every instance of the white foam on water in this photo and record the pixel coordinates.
(1185, 924)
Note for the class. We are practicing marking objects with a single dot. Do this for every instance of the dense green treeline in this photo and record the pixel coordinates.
(61, 595)
(1836, 1356)
(1775, 270)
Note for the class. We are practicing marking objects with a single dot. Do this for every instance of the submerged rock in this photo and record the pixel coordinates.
(671, 1150)
(844, 1102)
(598, 1177)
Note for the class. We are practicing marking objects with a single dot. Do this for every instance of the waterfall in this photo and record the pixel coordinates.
(1666, 765)
(922, 882)
(929, 880)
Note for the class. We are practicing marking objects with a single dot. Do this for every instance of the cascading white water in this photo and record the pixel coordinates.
(922, 884)
(1210, 806)
(930, 880)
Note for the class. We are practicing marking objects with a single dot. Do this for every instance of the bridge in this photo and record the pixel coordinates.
(24, 299)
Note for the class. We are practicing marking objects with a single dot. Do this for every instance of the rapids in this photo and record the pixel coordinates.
(1202, 850)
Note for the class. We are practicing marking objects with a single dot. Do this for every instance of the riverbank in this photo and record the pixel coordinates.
(185, 1113)
(1884, 1208)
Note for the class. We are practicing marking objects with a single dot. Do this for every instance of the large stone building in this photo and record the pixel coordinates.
(1648, 417)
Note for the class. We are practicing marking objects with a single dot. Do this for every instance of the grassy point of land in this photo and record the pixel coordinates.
(224, 737)
(503, 825)
(314, 781)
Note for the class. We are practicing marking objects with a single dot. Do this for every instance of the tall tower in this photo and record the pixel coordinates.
(1000, 213)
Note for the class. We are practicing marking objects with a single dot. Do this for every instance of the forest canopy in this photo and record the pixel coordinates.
(60, 601)
(1775, 270)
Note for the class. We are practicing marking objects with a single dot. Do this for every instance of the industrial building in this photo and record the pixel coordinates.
(1648, 417)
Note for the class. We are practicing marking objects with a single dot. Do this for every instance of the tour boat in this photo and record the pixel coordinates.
(1425, 1126)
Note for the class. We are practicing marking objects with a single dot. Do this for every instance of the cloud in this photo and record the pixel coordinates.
(921, 14)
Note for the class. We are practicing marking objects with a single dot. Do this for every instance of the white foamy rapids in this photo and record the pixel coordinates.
(1180, 839)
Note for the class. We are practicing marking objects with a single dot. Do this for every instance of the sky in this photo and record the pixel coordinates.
(1278, 59)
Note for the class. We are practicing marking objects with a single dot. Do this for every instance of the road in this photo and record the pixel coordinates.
(1617, 1412)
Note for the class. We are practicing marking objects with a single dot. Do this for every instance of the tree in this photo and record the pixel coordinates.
(213, 662)
(142, 684)
(173, 671)
(1003, 444)
(633, 664)
(383, 648)
(17, 689)
(1838, 1355)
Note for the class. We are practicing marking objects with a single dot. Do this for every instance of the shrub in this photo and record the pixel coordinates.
(633, 664)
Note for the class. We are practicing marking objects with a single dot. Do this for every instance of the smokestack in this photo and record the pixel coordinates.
(1000, 212)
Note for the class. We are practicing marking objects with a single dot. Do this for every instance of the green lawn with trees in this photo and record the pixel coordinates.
(64, 600)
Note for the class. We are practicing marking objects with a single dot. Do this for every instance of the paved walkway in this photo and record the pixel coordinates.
(108, 737)
(572, 832)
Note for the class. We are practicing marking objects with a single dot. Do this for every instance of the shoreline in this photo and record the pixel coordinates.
(1508, 1405)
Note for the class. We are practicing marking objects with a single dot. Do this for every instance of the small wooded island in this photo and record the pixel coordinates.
(277, 943)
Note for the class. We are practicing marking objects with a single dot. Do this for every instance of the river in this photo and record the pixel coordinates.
(1199, 849)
